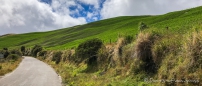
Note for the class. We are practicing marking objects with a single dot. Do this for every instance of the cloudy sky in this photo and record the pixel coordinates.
(22, 16)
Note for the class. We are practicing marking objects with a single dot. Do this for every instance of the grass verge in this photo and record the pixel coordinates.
(7, 66)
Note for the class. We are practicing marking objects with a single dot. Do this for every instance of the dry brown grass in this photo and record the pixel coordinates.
(193, 50)
(186, 64)
(8, 66)
(118, 52)
(138, 59)
(165, 46)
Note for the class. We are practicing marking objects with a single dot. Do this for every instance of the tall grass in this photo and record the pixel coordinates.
(7, 66)
(153, 55)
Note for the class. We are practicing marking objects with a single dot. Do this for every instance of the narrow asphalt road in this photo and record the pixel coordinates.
(31, 72)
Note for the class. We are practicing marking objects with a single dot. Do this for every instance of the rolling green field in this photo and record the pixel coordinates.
(109, 29)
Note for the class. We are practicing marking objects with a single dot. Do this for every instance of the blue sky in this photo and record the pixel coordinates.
(23, 16)
(83, 13)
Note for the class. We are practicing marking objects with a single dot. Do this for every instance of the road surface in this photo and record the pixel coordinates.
(31, 72)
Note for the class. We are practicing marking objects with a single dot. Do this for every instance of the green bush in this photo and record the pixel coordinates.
(88, 51)
(102, 58)
(6, 54)
(88, 48)
(15, 51)
(36, 49)
(13, 57)
(57, 57)
(23, 49)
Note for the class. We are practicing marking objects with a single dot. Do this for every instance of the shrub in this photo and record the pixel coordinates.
(102, 58)
(6, 54)
(128, 54)
(13, 57)
(165, 46)
(57, 57)
(17, 52)
(42, 53)
(88, 48)
(36, 49)
(23, 49)
(88, 51)
(143, 50)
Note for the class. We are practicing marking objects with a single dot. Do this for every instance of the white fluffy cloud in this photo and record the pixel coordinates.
(20, 16)
(113, 8)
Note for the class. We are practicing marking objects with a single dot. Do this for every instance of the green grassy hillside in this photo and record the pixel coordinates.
(104, 29)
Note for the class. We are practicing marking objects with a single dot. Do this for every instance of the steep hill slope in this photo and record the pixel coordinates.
(106, 30)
